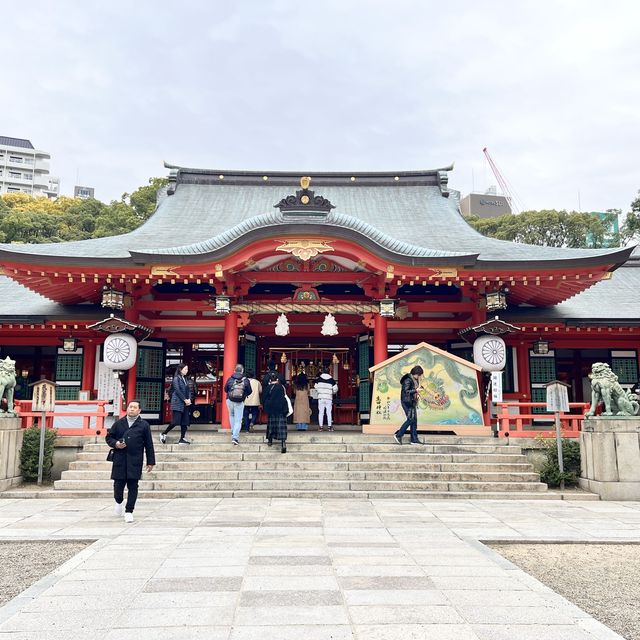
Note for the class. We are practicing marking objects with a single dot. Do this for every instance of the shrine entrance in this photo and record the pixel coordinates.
(310, 360)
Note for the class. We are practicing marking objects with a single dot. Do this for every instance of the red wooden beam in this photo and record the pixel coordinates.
(428, 324)
(346, 277)
(442, 307)
(205, 323)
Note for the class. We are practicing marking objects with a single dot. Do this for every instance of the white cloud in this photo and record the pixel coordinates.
(113, 89)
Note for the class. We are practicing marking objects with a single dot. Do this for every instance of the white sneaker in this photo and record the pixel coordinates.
(163, 437)
(128, 517)
(118, 509)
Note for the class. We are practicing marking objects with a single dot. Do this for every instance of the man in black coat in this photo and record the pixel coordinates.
(409, 397)
(129, 437)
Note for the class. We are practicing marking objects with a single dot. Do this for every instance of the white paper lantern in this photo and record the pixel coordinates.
(490, 353)
(282, 325)
(120, 351)
(329, 326)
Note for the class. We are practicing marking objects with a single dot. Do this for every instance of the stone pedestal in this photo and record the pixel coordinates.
(610, 457)
(10, 444)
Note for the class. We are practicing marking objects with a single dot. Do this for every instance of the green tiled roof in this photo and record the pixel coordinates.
(409, 218)
(22, 304)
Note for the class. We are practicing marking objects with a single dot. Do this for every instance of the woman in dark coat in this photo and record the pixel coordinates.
(180, 395)
(129, 437)
(277, 408)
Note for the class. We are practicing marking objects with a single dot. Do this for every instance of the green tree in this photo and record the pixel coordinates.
(630, 230)
(119, 218)
(549, 228)
(25, 218)
(143, 199)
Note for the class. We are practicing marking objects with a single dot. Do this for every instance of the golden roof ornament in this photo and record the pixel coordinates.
(304, 202)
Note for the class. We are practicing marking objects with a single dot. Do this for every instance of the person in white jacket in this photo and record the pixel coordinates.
(326, 388)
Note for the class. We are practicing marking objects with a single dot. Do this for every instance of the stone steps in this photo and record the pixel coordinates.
(303, 474)
(282, 484)
(333, 448)
(405, 456)
(319, 465)
(289, 464)
(315, 494)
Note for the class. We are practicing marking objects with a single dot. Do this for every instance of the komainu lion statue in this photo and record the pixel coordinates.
(7, 385)
(606, 388)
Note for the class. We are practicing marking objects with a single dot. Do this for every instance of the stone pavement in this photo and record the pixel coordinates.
(237, 569)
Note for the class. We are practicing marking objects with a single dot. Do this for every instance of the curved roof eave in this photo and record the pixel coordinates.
(341, 226)
(615, 257)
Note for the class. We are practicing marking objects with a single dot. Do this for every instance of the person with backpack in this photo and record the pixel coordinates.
(180, 397)
(237, 388)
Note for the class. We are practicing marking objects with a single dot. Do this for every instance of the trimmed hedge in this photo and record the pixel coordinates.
(29, 453)
(550, 471)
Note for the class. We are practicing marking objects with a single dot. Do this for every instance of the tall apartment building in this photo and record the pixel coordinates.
(25, 169)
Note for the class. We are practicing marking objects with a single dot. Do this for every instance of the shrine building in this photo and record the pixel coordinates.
(388, 256)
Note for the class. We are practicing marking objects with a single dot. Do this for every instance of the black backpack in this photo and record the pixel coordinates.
(236, 391)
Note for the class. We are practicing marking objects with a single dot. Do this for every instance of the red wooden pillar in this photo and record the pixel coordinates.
(524, 380)
(230, 360)
(88, 365)
(132, 315)
(380, 339)
(479, 313)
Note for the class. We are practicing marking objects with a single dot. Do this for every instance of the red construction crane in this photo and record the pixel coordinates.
(512, 197)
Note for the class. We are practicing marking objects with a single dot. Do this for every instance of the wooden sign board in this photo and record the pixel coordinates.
(557, 396)
(44, 396)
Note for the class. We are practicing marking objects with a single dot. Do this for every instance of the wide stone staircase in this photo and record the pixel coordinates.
(320, 465)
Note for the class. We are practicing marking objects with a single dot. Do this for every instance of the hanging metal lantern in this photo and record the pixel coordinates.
(222, 304)
(496, 300)
(387, 308)
(69, 344)
(541, 347)
(112, 298)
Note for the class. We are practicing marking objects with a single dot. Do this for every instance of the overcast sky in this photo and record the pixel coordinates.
(113, 88)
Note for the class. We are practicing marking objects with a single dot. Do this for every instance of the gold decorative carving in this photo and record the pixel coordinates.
(444, 272)
(164, 270)
(607, 275)
(305, 181)
(304, 199)
(218, 272)
(304, 249)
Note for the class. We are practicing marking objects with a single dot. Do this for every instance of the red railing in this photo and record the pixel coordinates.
(513, 417)
(88, 420)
